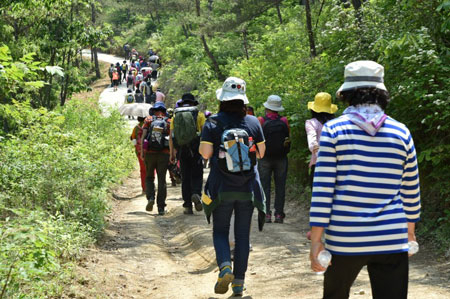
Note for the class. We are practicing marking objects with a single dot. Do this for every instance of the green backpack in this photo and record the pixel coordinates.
(185, 125)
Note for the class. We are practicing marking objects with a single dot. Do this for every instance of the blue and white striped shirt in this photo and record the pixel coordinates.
(366, 188)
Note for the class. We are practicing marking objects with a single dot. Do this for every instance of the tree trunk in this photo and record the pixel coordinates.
(312, 44)
(280, 17)
(48, 90)
(94, 49)
(67, 80)
(356, 4)
(216, 67)
(185, 30)
(245, 43)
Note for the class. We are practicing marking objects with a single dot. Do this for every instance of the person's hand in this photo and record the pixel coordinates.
(172, 158)
(316, 247)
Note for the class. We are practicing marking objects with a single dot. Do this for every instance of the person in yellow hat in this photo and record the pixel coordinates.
(322, 110)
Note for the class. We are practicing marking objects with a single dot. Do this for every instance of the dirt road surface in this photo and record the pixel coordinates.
(143, 255)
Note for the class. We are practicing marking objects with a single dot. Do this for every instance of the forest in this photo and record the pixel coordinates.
(55, 173)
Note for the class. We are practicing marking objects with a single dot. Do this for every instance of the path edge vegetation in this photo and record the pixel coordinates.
(56, 172)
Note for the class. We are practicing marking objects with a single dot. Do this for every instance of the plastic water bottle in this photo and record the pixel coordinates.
(324, 258)
(413, 247)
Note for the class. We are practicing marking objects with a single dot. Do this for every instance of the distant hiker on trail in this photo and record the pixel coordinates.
(126, 49)
(130, 80)
(124, 68)
(138, 80)
(186, 126)
(138, 96)
(232, 140)
(129, 97)
(366, 190)
(134, 54)
(250, 110)
(146, 90)
(155, 146)
(119, 71)
(322, 111)
(110, 73)
(174, 169)
(160, 97)
(276, 132)
(115, 79)
(136, 138)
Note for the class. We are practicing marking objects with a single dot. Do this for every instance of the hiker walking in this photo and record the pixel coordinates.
(124, 68)
(130, 80)
(232, 140)
(110, 73)
(275, 161)
(366, 190)
(155, 153)
(186, 126)
(115, 79)
(146, 91)
(136, 138)
(126, 49)
(138, 96)
(321, 111)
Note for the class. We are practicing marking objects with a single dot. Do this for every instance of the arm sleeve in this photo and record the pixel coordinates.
(410, 187)
(324, 180)
(311, 135)
(206, 134)
(201, 119)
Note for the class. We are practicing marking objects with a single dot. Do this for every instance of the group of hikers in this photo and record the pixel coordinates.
(364, 177)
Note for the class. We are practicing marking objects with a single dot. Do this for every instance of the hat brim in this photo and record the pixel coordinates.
(360, 84)
(273, 108)
(331, 110)
(225, 96)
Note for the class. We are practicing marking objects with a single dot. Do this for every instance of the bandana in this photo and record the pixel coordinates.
(368, 117)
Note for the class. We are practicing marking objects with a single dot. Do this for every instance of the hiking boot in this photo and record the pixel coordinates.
(224, 279)
(268, 218)
(278, 218)
(197, 202)
(188, 211)
(161, 211)
(238, 290)
(150, 204)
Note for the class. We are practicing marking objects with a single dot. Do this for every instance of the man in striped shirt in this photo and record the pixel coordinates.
(366, 195)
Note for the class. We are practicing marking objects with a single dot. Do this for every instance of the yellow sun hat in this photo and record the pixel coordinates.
(322, 103)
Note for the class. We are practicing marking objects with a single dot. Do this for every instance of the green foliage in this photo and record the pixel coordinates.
(54, 177)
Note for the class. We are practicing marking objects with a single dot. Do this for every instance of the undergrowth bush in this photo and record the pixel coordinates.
(55, 169)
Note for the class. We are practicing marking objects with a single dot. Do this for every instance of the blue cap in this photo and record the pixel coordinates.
(159, 106)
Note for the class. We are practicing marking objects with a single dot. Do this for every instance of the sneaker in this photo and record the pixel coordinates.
(268, 218)
(161, 211)
(238, 290)
(197, 202)
(278, 218)
(149, 206)
(224, 279)
(188, 211)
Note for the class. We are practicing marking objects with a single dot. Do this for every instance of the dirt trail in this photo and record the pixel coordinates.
(143, 255)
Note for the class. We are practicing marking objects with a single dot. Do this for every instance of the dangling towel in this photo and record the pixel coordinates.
(368, 117)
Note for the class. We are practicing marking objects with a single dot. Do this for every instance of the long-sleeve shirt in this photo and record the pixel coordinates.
(366, 188)
(313, 129)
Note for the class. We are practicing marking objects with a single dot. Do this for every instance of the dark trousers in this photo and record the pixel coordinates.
(388, 275)
(279, 168)
(158, 161)
(191, 167)
(243, 210)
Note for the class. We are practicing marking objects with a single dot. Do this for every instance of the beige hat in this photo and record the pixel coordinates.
(363, 73)
(273, 103)
(232, 89)
(322, 103)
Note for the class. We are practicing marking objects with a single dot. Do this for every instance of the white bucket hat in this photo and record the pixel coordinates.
(363, 73)
(273, 103)
(232, 89)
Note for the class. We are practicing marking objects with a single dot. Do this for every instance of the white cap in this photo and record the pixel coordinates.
(363, 73)
(232, 89)
(273, 103)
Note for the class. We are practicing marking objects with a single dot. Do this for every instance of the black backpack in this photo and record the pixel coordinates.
(275, 132)
(129, 80)
(157, 137)
(151, 99)
(139, 97)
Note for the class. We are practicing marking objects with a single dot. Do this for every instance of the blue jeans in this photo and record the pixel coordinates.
(279, 168)
(243, 210)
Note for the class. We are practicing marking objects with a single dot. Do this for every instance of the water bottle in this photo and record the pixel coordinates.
(413, 247)
(324, 258)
